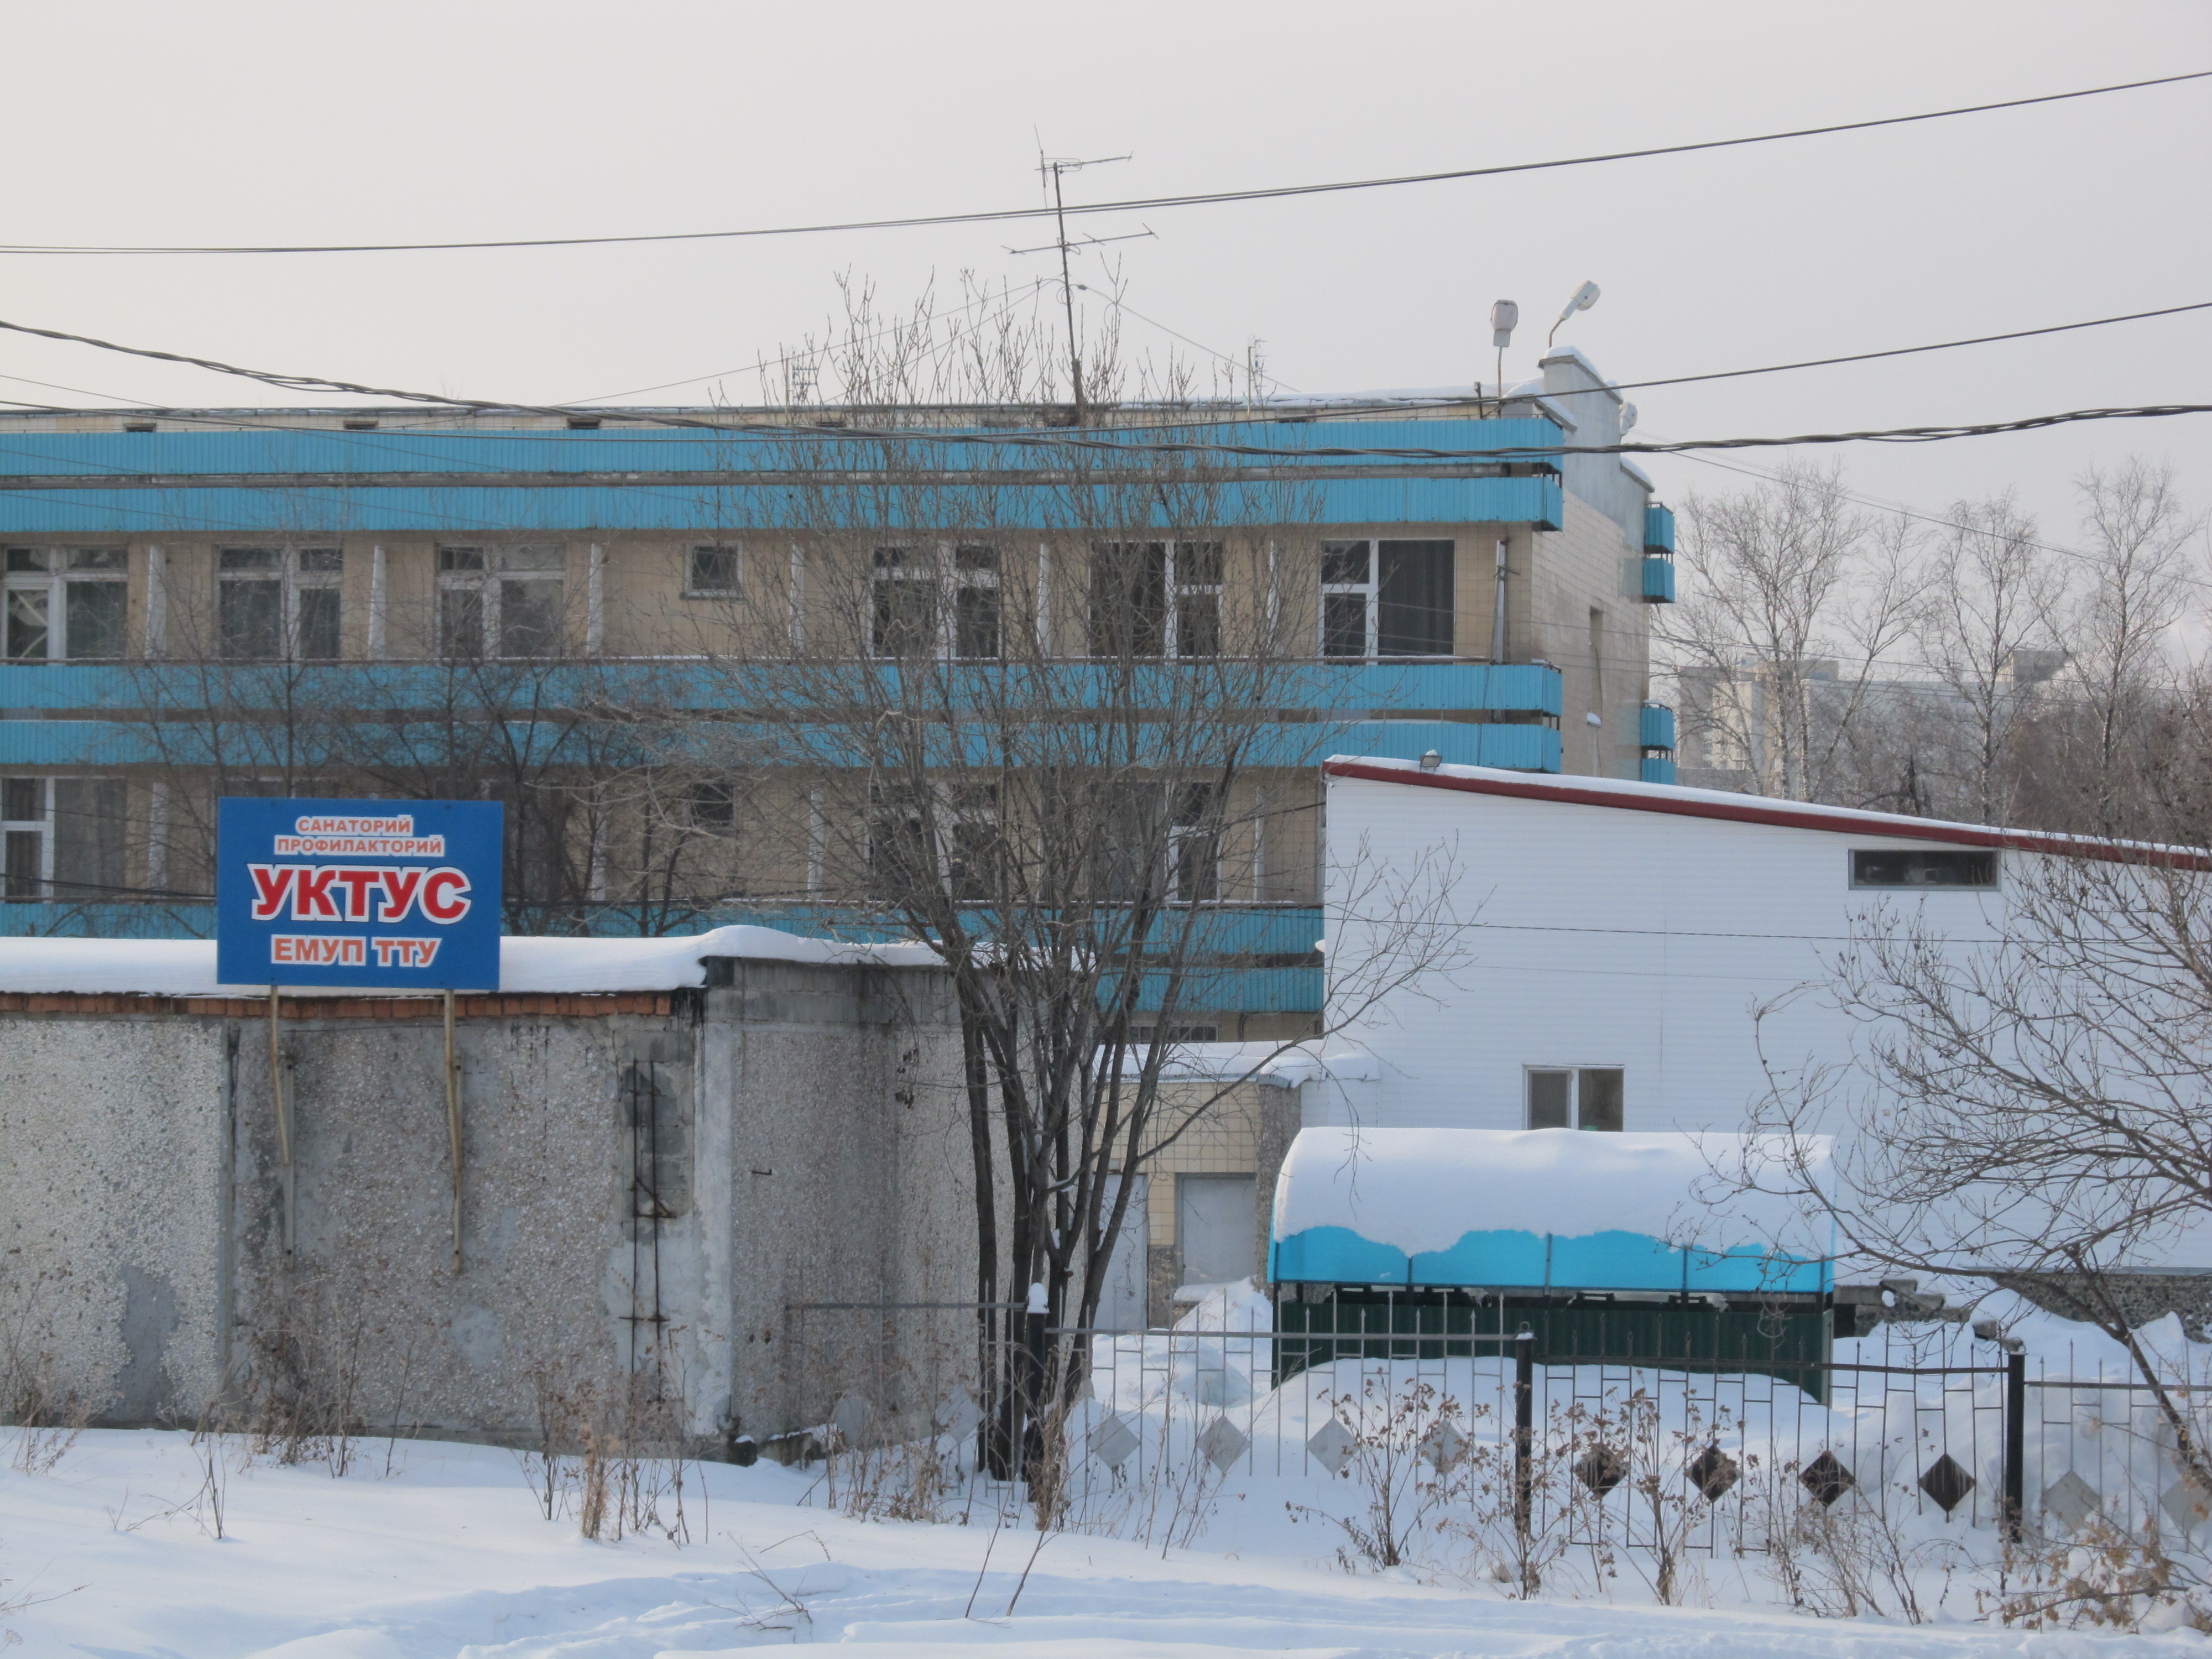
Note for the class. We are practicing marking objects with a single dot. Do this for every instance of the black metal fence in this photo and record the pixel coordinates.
(1564, 1429)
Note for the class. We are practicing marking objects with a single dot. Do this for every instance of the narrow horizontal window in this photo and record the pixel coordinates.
(1924, 867)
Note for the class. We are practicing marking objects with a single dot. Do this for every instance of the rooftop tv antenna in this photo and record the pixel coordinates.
(1053, 169)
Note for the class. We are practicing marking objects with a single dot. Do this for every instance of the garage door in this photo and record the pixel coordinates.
(1215, 1226)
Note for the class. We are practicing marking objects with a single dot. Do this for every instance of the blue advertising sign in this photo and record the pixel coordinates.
(401, 896)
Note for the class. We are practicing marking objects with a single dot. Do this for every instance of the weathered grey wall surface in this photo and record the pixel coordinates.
(871, 1204)
(644, 1197)
(111, 1177)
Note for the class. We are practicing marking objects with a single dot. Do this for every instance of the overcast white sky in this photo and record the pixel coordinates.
(227, 121)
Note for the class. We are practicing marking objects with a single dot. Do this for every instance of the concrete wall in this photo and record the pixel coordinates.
(798, 1131)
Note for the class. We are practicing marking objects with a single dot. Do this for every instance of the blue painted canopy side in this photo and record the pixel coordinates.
(1611, 1260)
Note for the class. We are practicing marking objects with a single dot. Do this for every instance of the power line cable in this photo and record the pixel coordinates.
(1205, 198)
(1070, 439)
(1299, 414)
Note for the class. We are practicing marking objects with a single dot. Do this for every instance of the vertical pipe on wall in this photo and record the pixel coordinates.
(157, 602)
(1044, 600)
(1497, 614)
(453, 1124)
(279, 1097)
(379, 605)
(595, 602)
(798, 599)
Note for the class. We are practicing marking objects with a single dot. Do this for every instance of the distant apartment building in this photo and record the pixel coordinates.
(180, 585)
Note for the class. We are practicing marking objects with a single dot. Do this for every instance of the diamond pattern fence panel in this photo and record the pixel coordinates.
(1676, 1451)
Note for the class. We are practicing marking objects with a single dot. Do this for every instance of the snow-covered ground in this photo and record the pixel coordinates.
(449, 1555)
(426, 1548)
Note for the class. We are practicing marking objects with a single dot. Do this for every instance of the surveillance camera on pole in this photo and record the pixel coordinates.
(1585, 297)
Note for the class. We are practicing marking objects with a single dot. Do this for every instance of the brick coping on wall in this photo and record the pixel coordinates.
(570, 1004)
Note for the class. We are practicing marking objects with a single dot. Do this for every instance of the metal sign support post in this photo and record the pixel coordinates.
(280, 1097)
(453, 1124)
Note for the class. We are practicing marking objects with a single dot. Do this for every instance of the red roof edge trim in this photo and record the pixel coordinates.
(1833, 823)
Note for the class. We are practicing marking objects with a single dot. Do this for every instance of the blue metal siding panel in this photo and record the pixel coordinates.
(71, 743)
(1655, 727)
(629, 450)
(1367, 687)
(464, 511)
(1655, 768)
(1517, 748)
(1658, 580)
(1658, 529)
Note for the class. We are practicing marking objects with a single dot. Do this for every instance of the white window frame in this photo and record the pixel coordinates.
(499, 565)
(1180, 589)
(293, 579)
(46, 827)
(1175, 588)
(1370, 594)
(54, 582)
(1574, 1074)
(43, 826)
(939, 567)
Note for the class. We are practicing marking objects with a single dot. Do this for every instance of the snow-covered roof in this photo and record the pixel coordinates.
(1423, 1190)
(1723, 803)
(186, 967)
(1573, 355)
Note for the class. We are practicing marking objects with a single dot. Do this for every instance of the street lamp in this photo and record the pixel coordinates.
(1585, 297)
(1504, 318)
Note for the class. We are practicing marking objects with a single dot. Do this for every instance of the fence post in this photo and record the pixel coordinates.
(1524, 1430)
(2013, 1515)
(1032, 1377)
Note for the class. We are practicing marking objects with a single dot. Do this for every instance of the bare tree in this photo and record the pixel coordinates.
(1794, 597)
(1991, 595)
(2119, 628)
(1017, 689)
(2032, 1109)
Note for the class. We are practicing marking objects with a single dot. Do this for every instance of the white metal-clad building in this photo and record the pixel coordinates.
(1618, 938)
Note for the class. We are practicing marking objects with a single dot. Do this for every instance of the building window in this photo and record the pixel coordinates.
(1156, 599)
(62, 839)
(711, 573)
(711, 807)
(1577, 1097)
(899, 863)
(903, 619)
(977, 599)
(1386, 598)
(278, 604)
(501, 601)
(65, 603)
(936, 603)
(1976, 871)
(1195, 846)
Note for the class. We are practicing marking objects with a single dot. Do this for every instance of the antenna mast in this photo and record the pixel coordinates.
(1055, 167)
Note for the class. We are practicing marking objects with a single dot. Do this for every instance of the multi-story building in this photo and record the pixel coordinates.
(182, 586)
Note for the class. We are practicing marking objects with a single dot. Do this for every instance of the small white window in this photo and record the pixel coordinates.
(711, 571)
(65, 603)
(1576, 1097)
